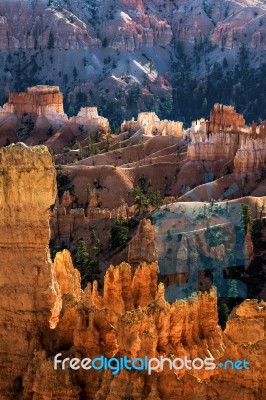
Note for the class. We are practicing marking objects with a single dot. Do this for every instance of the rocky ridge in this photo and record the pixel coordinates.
(131, 45)
(226, 136)
(222, 137)
(35, 115)
(133, 24)
(29, 292)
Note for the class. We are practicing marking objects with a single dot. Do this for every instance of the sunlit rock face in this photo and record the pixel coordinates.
(132, 318)
(37, 17)
(89, 116)
(224, 118)
(251, 156)
(227, 137)
(37, 116)
(151, 125)
(43, 311)
(28, 292)
(36, 100)
(142, 246)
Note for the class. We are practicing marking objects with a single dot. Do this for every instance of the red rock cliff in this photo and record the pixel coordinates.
(36, 100)
(225, 118)
(27, 291)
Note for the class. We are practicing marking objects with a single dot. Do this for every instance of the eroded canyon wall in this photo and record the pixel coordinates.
(27, 291)
(130, 317)
(36, 100)
(226, 137)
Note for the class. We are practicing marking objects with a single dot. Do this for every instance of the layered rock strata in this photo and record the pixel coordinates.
(38, 114)
(90, 116)
(68, 31)
(37, 100)
(226, 137)
(251, 156)
(212, 147)
(224, 118)
(151, 125)
(28, 291)
(128, 35)
(130, 317)
(66, 222)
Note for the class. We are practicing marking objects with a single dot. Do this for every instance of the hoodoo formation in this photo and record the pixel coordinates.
(151, 125)
(28, 292)
(132, 200)
(38, 117)
(225, 137)
(130, 317)
(37, 101)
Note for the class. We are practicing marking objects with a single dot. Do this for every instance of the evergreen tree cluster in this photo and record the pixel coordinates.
(87, 265)
(244, 87)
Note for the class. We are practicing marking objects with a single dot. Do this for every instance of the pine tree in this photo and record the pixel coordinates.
(119, 233)
(108, 142)
(140, 200)
(75, 73)
(155, 199)
(224, 312)
(51, 41)
(85, 264)
(151, 65)
(247, 216)
(233, 291)
(82, 257)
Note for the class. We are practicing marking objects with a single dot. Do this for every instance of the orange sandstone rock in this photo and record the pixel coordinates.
(251, 156)
(142, 246)
(151, 125)
(37, 99)
(130, 318)
(28, 290)
(223, 117)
